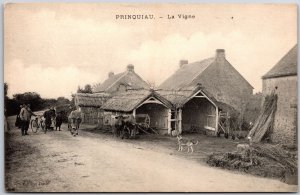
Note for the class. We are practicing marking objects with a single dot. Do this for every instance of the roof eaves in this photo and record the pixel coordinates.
(240, 75)
(278, 75)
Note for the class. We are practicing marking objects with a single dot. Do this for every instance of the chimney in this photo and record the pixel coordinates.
(183, 62)
(220, 54)
(110, 74)
(130, 68)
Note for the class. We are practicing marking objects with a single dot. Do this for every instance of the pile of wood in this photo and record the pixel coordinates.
(265, 160)
(264, 123)
(287, 159)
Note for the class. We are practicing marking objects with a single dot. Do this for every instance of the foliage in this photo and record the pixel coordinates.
(32, 98)
(87, 89)
(36, 102)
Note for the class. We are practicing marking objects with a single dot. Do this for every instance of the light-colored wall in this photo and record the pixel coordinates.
(285, 118)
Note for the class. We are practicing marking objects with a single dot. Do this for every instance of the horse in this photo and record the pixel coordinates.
(124, 127)
(74, 121)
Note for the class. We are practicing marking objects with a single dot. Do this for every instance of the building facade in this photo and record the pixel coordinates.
(282, 80)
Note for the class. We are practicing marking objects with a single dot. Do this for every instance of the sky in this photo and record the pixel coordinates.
(52, 48)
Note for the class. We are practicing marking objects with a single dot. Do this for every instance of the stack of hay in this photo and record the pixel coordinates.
(264, 123)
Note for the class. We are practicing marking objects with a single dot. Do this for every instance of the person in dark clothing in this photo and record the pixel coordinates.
(47, 116)
(58, 121)
(18, 122)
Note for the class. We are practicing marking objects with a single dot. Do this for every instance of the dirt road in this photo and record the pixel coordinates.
(58, 162)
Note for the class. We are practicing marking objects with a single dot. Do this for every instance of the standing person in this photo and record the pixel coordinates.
(47, 116)
(18, 122)
(53, 114)
(25, 115)
(58, 120)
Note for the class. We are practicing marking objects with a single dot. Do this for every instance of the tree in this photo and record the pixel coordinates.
(87, 89)
(62, 100)
(32, 98)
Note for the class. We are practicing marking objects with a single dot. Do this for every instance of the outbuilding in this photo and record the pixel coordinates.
(199, 89)
(282, 80)
(142, 102)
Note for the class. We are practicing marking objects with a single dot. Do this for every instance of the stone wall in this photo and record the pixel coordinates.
(285, 130)
(92, 115)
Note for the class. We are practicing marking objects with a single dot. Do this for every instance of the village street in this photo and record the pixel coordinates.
(58, 162)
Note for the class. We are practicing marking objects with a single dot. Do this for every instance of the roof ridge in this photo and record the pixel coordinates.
(124, 73)
(239, 73)
(285, 66)
(195, 77)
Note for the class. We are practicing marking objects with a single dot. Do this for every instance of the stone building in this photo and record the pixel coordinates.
(218, 77)
(282, 79)
(121, 82)
(90, 104)
(206, 87)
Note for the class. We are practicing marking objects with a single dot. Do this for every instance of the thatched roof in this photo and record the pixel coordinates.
(108, 82)
(287, 66)
(225, 107)
(90, 100)
(128, 78)
(130, 100)
(186, 74)
(190, 74)
(180, 97)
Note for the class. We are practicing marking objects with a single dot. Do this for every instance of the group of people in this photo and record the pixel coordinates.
(50, 115)
(52, 119)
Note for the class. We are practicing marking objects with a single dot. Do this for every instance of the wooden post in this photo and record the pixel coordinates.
(134, 113)
(179, 121)
(217, 120)
(169, 122)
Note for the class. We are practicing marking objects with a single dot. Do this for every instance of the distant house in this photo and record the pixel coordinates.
(122, 82)
(90, 104)
(282, 79)
(204, 86)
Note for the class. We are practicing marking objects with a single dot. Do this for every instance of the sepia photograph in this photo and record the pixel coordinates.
(150, 97)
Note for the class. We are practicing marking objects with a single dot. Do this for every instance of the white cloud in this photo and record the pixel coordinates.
(159, 59)
(60, 49)
(48, 82)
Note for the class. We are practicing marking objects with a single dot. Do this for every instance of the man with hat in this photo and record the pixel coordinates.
(25, 115)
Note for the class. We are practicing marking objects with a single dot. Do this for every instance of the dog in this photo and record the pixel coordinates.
(185, 142)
